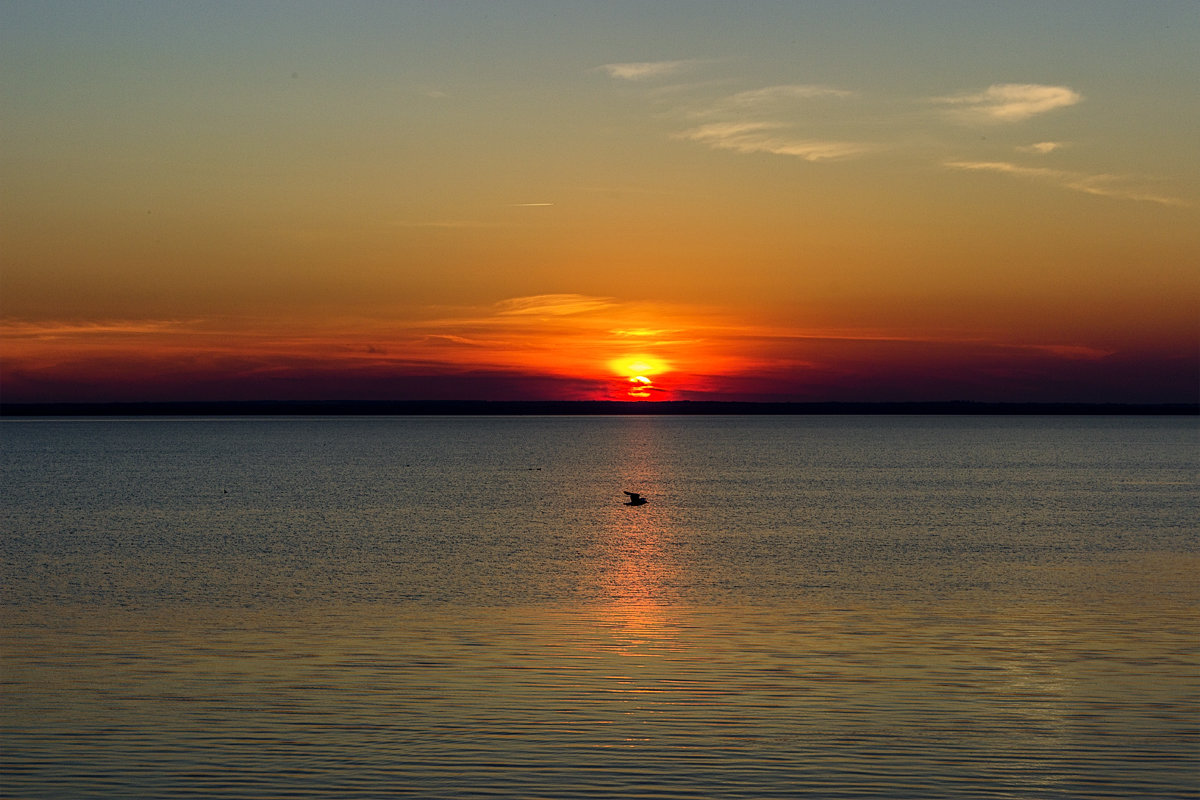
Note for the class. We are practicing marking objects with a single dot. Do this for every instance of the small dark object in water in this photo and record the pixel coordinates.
(635, 499)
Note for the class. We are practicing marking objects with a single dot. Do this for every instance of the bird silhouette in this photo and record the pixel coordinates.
(635, 499)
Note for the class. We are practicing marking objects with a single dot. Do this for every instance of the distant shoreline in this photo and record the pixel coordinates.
(582, 407)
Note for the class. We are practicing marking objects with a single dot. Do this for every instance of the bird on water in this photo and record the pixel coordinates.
(635, 499)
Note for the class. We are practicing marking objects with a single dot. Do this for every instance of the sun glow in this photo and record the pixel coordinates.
(639, 372)
(638, 366)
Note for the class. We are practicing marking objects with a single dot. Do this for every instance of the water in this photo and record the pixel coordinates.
(889, 607)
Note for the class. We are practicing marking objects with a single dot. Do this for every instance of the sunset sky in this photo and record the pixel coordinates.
(589, 200)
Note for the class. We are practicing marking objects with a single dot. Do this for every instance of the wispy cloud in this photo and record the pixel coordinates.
(770, 137)
(463, 340)
(1042, 148)
(552, 305)
(646, 70)
(1010, 102)
(1101, 185)
(818, 122)
(789, 93)
(538, 342)
(448, 223)
(47, 329)
(643, 331)
(1073, 352)
(771, 119)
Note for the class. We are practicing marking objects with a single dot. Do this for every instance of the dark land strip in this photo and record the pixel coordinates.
(579, 407)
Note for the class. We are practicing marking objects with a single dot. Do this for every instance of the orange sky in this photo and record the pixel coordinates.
(908, 201)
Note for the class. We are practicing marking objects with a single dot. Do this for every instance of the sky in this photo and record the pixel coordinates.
(767, 201)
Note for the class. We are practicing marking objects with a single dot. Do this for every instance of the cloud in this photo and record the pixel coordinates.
(448, 223)
(766, 120)
(1073, 352)
(776, 95)
(1101, 185)
(769, 137)
(463, 340)
(1042, 148)
(49, 329)
(645, 70)
(813, 122)
(554, 305)
(1011, 102)
(643, 331)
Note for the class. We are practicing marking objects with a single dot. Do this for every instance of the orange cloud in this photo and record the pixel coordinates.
(565, 347)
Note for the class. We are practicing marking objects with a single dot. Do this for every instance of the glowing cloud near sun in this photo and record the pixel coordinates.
(638, 366)
(639, 373)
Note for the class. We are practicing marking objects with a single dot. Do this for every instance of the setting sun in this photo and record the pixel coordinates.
(639, 372)
(638, 366)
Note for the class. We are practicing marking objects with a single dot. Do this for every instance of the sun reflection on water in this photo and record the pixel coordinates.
(641, 614)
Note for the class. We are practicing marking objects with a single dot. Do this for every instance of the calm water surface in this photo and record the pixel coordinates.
(463, 607)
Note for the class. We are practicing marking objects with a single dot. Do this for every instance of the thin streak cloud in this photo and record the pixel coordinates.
(54, 330)
(645, 70)
(1042, 148)
(462, 340)
(1010, 102)
(1071, 352)
(643, 331)
(449, 223)
(554, 305)
(775, 95)
(770, 137)
(1101, 185)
